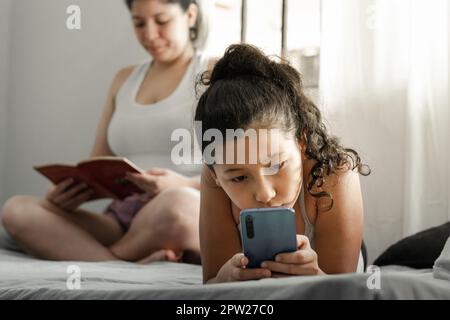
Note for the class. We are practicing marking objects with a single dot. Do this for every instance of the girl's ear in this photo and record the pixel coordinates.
(192, 14)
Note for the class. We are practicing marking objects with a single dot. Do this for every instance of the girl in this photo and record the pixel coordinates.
(145, 104)
(313, 173)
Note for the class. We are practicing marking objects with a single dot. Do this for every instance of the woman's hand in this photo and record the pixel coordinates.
(68, 195)
(235, 270)
(157, 180)
(301, 262)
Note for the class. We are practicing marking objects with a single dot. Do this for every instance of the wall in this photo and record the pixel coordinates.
(5, 10)
(59, 81)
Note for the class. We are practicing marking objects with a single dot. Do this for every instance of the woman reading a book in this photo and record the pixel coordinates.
(145, 104)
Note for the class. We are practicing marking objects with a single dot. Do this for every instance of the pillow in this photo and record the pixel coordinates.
(418, 251)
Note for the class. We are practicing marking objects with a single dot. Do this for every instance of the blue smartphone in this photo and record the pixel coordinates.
(266, 232)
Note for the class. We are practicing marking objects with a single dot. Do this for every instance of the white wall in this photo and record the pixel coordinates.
(59, 81)
(5, 10)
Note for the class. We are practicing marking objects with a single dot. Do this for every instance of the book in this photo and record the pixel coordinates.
(106, 175)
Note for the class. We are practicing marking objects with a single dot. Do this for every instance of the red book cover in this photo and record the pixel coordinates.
(104, 174)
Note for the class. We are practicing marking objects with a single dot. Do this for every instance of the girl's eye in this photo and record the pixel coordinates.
(139, 25)
(279, 165)
(238, 179)
(162, 22)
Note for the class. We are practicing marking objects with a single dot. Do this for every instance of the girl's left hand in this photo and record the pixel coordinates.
(301, 262)
(157, 180)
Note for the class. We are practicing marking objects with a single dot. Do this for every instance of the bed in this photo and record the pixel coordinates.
(22, 277)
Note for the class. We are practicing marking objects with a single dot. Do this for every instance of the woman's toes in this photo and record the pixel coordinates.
(161, 255)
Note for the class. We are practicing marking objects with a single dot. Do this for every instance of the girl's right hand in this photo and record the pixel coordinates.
(235, 270)
(68, 195)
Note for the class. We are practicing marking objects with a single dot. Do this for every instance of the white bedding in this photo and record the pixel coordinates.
(441, 268)
(22, 277)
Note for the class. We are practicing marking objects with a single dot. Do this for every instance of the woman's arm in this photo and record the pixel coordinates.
(339, 232)
(101, 146)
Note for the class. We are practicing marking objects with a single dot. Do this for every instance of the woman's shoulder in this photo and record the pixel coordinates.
(125, 71)
(121, 76)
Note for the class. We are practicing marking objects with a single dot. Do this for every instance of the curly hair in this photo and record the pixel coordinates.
(246, 88)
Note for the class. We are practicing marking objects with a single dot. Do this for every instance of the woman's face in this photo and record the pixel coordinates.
(264, 185)
(163, 28)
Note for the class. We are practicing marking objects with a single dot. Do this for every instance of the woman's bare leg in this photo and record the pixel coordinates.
(49, 233)
(168, 221)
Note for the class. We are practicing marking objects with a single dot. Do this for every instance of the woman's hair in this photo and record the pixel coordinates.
(247, 88)
(198, 32)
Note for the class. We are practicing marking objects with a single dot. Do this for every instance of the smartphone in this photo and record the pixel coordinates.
(266, 232)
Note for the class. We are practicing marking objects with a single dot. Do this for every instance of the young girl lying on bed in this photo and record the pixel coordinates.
(315, 175)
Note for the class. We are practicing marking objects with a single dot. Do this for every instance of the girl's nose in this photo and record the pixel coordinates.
(265, 192)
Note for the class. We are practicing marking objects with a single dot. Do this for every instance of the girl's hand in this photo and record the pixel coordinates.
(301, 262)
(68, 195)
(157, 180)
(235, 270)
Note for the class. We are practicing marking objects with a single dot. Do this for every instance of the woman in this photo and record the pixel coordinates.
(144, 105)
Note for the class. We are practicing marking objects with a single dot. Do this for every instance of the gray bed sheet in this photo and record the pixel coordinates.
(23, 277)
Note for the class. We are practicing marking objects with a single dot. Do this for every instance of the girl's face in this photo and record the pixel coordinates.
(163, 28)
(264, 185)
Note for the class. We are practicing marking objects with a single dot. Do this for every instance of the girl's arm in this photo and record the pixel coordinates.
(339, 232)
(220, 246)
(219, 238)
(101, 147)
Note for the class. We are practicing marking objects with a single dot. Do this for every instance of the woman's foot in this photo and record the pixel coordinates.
(161, 255)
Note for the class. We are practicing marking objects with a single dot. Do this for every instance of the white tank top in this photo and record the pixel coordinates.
(142, 133)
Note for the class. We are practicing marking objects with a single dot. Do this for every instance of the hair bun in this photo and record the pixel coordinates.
(247, 61)
(242, 60)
